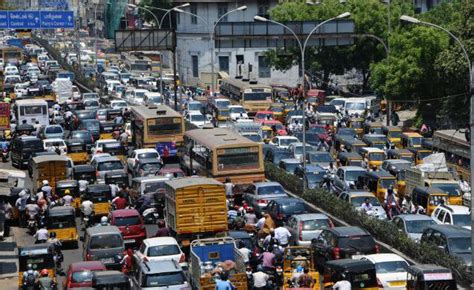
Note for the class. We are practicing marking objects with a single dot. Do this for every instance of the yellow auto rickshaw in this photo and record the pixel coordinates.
(429, 198)
(360, 273)
(40, 257)
(373, 157)
(353, 145)
(403, 154)
(293, 258)
(419, 153)
(70, 187)
(107, 129)
(394, 135)
(62, 221)
(373, 128)
(358, 125)
(77, 151)
(375, 140)
(266, 133)
(378, 182)
(411, 140)
(100, 195)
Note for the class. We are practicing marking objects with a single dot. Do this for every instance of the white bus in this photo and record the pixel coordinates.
(134, 64)
(32, 110)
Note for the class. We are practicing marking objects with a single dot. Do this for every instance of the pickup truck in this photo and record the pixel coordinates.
(206, 254)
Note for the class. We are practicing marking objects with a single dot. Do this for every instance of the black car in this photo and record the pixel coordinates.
(276, 154)
(283, 208)
(312, 138)
(146, 167)
(21, 149)
(91, 125)
(86, 114)
(453, 240)
(342, 243)
(85, 136)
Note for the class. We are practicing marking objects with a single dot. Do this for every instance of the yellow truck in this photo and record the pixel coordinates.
(52, 168)
(195, 207)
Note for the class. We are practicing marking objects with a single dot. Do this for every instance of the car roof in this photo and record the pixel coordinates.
(163, 266)
(125, 213)
(290, 160)
(451, 231)
(380, 258)
(159, 241)
(457, 209)
(266, 183)
(284, 200)
(106, 159)
(103, 230)
(87, 265)
(349, 231)
(311, 216)
(414, 217)
(352, 168)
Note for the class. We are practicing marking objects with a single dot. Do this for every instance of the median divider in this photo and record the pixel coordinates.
(384, 232)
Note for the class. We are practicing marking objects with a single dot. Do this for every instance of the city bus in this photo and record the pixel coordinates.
(157, 126)
(456, 149)
(136, 64)
(253, 97)
(32, 110)
(221, 153)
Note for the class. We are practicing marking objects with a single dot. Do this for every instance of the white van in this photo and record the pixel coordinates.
(355, 106)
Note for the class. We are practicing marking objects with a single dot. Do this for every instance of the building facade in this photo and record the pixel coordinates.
(194, 47)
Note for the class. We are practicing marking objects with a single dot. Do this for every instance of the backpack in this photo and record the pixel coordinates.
(30, 278)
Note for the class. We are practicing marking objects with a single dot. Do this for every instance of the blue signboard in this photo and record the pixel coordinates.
(57, 19)
(24, 19)
(36, 19)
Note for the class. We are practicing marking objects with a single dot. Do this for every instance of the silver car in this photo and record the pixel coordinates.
(105, 165)
(413, 224)
(261, 193)
(306, 227)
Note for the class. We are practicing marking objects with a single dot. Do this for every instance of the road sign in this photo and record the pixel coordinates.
(24, 19)
(36, 19)
(57, 19)
(145, 39)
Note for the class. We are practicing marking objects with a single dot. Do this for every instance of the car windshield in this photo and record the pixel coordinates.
(287, 141)
(127, 221)
(279, 155)
(353, 175)
(164, 279)
(163, 250)
(395, 134)
(82, 276)
(152, 187)
(291, 208)
(385, 183)
(222, 104)
(391, 267)
(110, 165)
(92, 125)
(290, 167)
(355, 106)
(81, 135)
(462, 220)
(452, 189)
(323, 158)
(359, 200)
(148, 155)
(237, 110)
(271, 189)
(460, 245)
(357, 242)
(106, 241)
(53, 130)
(313, 225)
(32, 144)
(194, 106)
(417, 227)
(198, 118)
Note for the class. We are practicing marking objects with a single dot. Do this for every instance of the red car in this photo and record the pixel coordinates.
(171, 172)
(79, 274)
(280, 129)
(131, 224)
(263, 115)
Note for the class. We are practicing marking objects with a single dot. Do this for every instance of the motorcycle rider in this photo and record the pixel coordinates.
(29, 277)
(41, 235)
(53, 240)
(67, 198)
(104, 221)
(119, 202)
(127, 261)
(260, 279)
(46, 189)
(87, 208)
(45, 282)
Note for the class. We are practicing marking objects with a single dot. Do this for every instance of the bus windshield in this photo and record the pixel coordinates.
(258, 96)
(238, 158)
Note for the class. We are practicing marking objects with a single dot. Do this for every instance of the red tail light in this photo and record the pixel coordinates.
(377, 249)
(182, 259)
(262, 201)
(88, 257)
(97, 174)
(300, 231)
(336, 252)
(379, 283)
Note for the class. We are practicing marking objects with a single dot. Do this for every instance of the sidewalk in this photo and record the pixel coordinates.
(8, 258)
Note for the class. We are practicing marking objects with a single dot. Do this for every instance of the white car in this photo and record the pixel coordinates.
(391, 270)
(339, 103)
(197, 119)
(11, 70)
(159, 249)
(118, 104)
(284, 141)
(137, 154)
(355, 106)
(53, 143)
(457, 215)
(137, 96)
(237, 112)
(297, 150)
(99, 155)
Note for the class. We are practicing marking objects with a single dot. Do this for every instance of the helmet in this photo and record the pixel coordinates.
(29, 267)
(104, 220)
(44, 272)
(45, 182)
(67, 191)
(52, 235)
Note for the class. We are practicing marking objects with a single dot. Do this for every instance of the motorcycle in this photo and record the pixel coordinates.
(150, 215)
(88, 220)
(32, 226)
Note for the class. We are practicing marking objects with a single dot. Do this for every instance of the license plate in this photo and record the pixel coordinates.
(129, 241)
(397, 283)
(356, 257)
(107, 260)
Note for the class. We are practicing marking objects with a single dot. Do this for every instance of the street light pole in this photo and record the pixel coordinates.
(302, 51)
(471, 91)
(211, 35)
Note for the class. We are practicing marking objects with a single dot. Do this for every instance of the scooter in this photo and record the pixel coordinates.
(32, 226)
(150, 215)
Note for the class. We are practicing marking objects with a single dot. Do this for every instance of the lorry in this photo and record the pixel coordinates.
(195, 207)
(208, 254)
(52, 168)
(5, 120)
(434, 173)
(62, 87)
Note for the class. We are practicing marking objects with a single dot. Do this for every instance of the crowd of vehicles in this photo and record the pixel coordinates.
(218, 216)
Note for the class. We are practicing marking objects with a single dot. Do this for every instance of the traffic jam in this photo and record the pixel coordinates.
(156, 191)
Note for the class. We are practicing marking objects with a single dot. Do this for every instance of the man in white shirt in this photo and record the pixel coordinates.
(245, 252)
(282, 235)
(260, 280)
(41, 236)
(87, 207)
(342, 285)
(464, 185)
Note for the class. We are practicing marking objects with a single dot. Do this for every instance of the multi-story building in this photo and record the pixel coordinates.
(194, 46)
